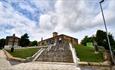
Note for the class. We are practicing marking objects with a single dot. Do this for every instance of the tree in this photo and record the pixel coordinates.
(34, 43)
(24, 41)
(101, 39)
(2, 43)
(86, 39)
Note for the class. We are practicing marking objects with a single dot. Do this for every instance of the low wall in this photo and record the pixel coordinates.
(75, 58)
(10, 57)
(94, 66)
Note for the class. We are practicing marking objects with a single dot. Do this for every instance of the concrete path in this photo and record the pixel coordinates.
(4, 63)
(45, 66)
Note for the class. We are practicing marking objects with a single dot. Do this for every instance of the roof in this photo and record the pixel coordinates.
(58, 36)
(69, 36)
(12, 37)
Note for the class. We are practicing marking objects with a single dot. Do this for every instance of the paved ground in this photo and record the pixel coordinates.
(6, 65)
(45, 66)
(12, 65)
(3, 62)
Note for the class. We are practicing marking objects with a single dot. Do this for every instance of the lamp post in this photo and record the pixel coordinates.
(106, 32)
(12, 48)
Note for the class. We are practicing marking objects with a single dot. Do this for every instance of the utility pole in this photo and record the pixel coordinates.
(108, 40)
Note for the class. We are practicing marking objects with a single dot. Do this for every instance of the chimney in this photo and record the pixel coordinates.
(55, 34)
(41, 38)
(13, 35)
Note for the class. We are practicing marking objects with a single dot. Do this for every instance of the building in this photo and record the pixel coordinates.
(12, 40)
(57, 37)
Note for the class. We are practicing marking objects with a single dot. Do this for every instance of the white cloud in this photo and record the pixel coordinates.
(44, 5)
(26, 6)
(66, 16)
(45, 22)
(20, 23)
(69, 16)
(73, 16)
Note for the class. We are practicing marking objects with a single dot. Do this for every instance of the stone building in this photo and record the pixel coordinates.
(57, 37)
(12, 40)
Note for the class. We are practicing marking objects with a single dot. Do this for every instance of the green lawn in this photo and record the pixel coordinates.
(23, 53)
(86, 53)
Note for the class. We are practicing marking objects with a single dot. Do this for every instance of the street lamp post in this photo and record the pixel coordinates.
(106, 31)
(13, 41)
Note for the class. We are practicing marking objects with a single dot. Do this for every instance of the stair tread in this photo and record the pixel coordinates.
(58, 53)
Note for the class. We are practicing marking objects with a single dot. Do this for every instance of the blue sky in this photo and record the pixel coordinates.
(39, 18)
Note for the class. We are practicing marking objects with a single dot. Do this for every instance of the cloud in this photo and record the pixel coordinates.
(12, 21)
(44, 5)
(13, 18)
(69, 15)
(75, 15)
(64, 16)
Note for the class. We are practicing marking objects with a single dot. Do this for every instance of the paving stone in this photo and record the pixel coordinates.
(3, 61)
(45, 66)
(58, 53)
(5, 65)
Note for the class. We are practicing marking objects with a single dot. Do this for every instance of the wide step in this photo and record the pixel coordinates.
(59, 53)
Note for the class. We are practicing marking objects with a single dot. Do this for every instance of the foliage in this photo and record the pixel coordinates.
(86, 39)
(2, 43)
(24, 41)
(23, 53)
(89, 44)
(101, 39)
(87, 54)
(34, 43)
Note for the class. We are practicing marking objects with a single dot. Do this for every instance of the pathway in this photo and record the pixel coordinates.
(4, 63)
(45, 66)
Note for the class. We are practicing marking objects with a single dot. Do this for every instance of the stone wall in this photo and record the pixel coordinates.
(90, 67)
(94, 66)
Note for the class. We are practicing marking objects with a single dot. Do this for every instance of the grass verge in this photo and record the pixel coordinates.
(87, 54)
(23, 53)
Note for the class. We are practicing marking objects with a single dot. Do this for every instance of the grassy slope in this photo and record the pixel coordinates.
(23, 53)
(87, 54)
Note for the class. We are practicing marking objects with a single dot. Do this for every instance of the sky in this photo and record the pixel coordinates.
(39, 18)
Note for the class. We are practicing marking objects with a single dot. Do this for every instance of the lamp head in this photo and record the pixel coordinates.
(101, 1)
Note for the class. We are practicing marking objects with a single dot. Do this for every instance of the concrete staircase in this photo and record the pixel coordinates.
(58, 53)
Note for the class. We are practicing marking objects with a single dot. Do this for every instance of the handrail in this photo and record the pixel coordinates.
(75, 58)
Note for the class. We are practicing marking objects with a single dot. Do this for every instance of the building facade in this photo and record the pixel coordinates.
(57, 37)
(12, 40)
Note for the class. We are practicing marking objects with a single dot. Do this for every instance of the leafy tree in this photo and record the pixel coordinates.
(34, 43)
(2, 43)
(101, 39)
(86, 39)
(24, 41)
